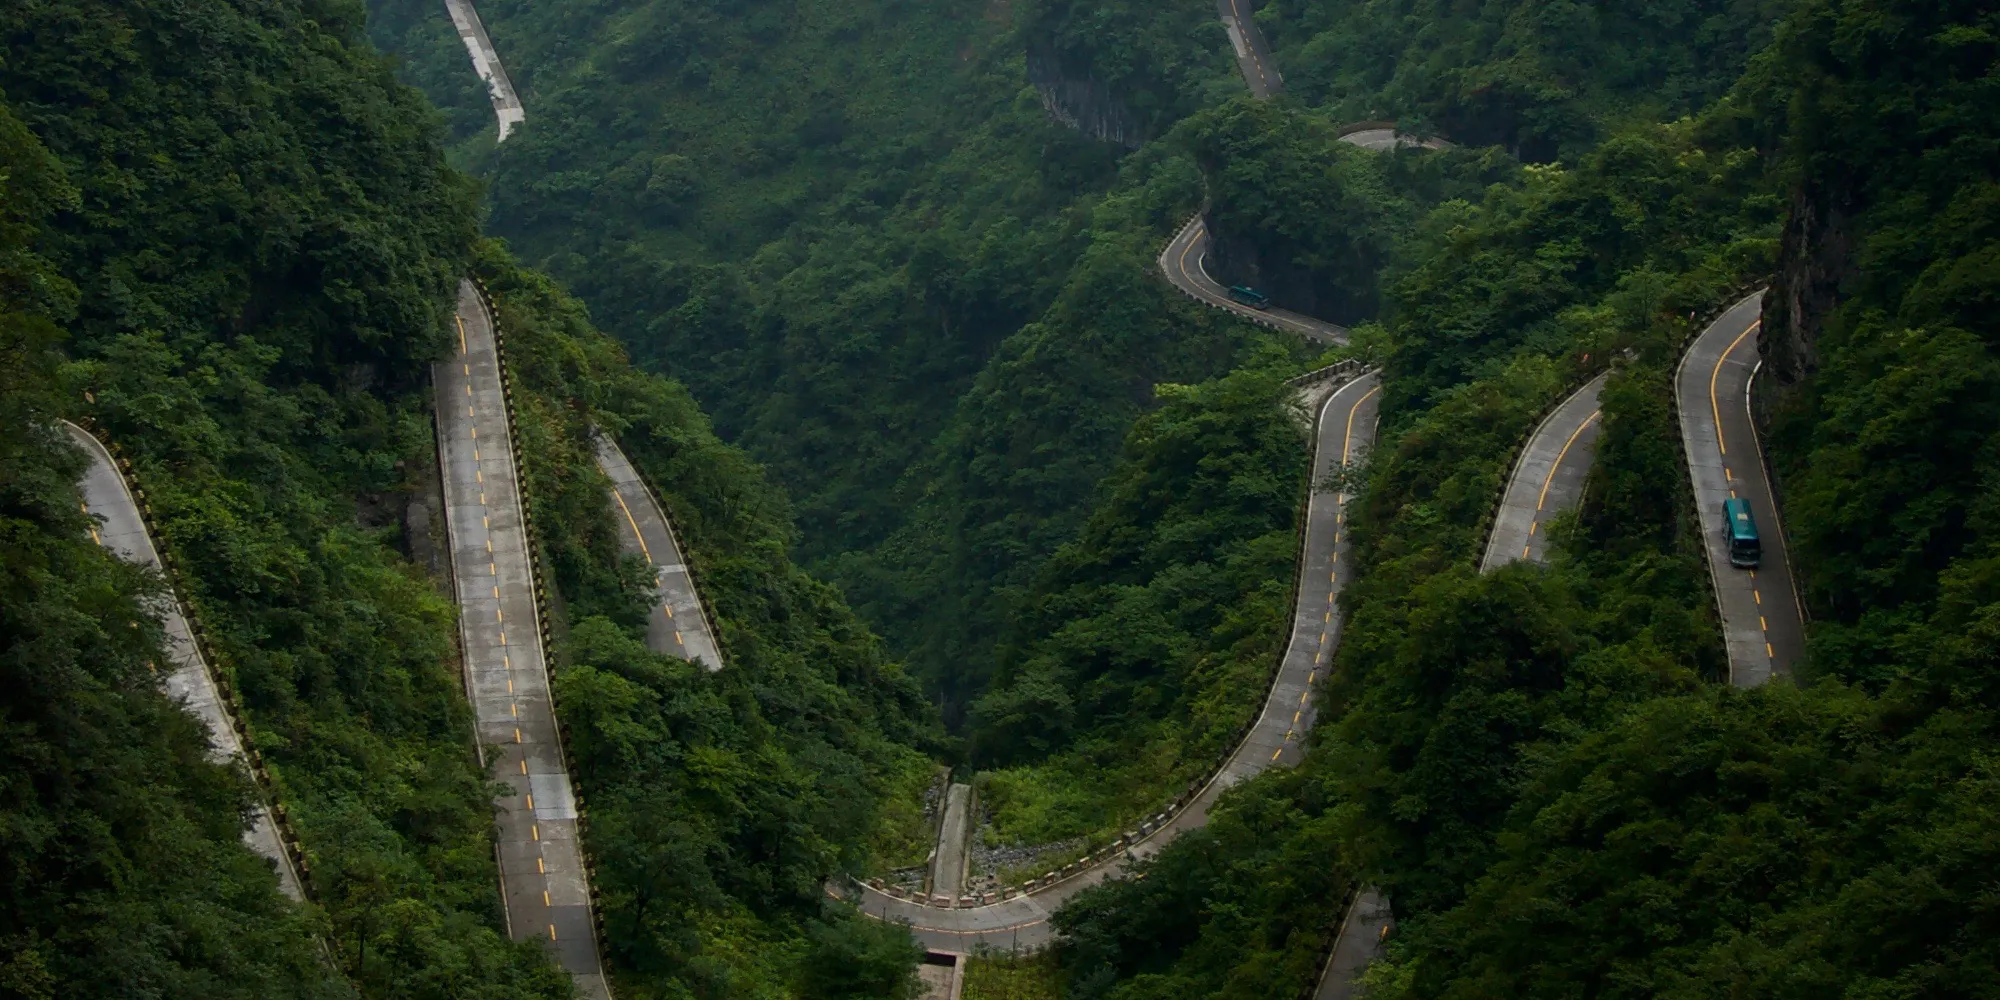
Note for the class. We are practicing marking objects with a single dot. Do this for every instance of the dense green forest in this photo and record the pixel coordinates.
(1538, 765)
(126, 872)
(877, 242)
(719, 802)
(258, 274)
(232, 238)
(853, 232)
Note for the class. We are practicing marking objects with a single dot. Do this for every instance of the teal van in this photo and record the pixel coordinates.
(1739, 531)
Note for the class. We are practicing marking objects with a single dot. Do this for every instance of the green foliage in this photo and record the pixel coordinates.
(1155, 61)
(127, 875)
(1528, 760)
(1147, 642)
(259, 267)
(1293, 211)
(1664, 216)
(1546, 79)
(1890, 455)
(855, 958)
(930, 311)
(1776, 842)
(720, 802)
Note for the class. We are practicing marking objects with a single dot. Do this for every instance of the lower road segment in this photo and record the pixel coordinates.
(1344, 431)
(1362, 932)
(679, 625)
(1761, 621)
(544, 885)
(121, 529)
(1547, 479)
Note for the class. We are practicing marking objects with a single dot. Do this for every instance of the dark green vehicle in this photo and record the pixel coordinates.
(1250, 297)
(1739, 530)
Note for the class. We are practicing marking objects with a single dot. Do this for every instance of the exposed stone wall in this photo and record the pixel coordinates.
(1082, 102)
(1814, 261)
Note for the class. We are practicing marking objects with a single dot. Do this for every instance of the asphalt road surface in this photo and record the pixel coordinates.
(1362, 932)
(122, 530)
(542, 878)
(1385, 139)
(678, 626)
(1345, 430)
(1253, 54)
(486, 62)
(1547, 479)
(1183, 264)
(1761, 622)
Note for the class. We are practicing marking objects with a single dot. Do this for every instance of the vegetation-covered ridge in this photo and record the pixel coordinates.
(897, 284)
(257, 275)
(1539, 764)
(719, 802)
(129, 874)
(230, 226)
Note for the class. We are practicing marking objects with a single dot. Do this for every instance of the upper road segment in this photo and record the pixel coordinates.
(678, 625)
(486, 62)
(122, 531)
(544, 885)
(1253, 54)
(1387, 138)
(1344, 429)
(1547, 480)
(1184, 264)
(1761, 622)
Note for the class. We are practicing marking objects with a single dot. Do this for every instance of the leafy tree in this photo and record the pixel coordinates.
(126, 871)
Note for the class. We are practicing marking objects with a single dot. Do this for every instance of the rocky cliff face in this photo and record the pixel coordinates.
(1256, 261)
(1082, 102)
(1814, 261)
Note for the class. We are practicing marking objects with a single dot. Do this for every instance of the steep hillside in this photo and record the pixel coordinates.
(1545, 79)
(129, 876)
(236, 254)
(859, 239)
(1529, 762)
(719, 802)
(258, 274)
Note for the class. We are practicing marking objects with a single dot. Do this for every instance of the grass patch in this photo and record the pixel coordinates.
(1013, 977)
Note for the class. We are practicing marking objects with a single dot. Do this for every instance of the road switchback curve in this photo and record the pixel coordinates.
(1185, 260)
(1344, 430)
(543, 882)
(1183, 264)
(1762, 624)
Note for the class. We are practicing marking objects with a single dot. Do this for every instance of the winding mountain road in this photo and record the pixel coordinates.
(1762, 624)
(1183, 264)
(1185, 260)
(1344, 429)
(679, 625)
(1547, 479)
(544, 884)
(122, 530)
